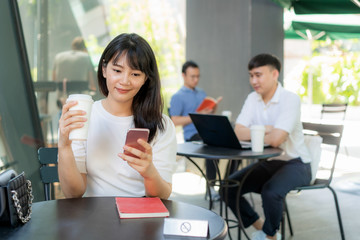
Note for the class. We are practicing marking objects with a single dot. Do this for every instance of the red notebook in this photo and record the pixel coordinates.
(129, 207)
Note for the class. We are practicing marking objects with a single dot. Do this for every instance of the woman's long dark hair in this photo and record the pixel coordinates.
(147, 104)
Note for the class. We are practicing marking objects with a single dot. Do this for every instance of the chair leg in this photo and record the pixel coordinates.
(47, 191)
(283, 225)
(338, 213)
(285, 214)
(288, 218)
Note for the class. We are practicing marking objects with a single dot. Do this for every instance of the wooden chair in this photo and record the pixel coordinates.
(331, 135)
(48, 169)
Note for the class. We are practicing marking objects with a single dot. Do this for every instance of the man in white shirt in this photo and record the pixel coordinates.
(279, 111)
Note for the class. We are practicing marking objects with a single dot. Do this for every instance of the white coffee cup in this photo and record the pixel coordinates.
(85, 103)
(227, 113)
(257, 138)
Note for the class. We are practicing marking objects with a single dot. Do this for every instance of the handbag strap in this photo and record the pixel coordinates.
(24, 219)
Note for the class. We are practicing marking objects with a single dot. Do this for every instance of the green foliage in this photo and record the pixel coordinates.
(157, 24)
(155, 21)
(335, 78)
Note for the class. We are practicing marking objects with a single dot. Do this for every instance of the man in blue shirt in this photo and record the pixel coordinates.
(185, 101)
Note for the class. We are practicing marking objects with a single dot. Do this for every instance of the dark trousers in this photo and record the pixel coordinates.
(273, 180)
(209, 163)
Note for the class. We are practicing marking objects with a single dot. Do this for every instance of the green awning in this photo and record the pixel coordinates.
(303, 34)
(326, 27)
(320, 31)
(321, 6)
(318, 35)
(321, 19)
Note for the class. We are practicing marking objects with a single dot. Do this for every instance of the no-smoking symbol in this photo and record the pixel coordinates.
(185, 227)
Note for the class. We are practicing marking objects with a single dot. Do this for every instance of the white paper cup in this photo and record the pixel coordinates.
(85, 103)
(257, 138)
(227, 113)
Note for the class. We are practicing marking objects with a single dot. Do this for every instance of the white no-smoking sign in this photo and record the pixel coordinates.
(184, 227)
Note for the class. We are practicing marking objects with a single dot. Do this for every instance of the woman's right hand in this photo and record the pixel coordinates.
(69, 120)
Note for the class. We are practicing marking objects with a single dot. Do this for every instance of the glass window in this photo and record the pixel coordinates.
(6, 159)
(64, 40)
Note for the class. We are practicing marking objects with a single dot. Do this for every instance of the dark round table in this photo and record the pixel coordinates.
(97, 218)
(200, 150)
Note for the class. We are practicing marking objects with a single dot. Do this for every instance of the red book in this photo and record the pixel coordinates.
(209, 103)
(129, 207)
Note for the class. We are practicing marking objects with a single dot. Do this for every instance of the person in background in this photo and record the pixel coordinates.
(185, 101)
(73, 65)
(128, 77)
(279, 111)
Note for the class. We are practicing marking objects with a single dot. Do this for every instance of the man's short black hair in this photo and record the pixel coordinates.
(189, 64)
(263, 60)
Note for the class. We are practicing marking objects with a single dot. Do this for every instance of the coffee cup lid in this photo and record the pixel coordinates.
(85, 97)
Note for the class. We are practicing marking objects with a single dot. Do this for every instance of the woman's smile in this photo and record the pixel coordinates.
(122, 90)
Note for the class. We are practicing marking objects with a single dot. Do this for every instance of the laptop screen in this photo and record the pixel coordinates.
(215, 130)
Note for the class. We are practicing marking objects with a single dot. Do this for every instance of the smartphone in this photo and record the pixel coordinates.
(133, 135)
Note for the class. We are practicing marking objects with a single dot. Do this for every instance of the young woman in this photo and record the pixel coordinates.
(129, 79)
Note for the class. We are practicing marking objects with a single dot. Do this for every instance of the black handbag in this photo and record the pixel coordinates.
(15, 198)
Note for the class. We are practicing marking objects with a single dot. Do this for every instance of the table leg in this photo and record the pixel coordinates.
(241, 225)
(226, 186)
(216, 164)
(224, 183)
(207, 181)
(221, 183)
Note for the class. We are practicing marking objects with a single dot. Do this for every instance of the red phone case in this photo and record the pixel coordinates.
(133, 135)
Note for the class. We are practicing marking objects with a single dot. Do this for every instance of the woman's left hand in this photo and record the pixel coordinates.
(142, 162)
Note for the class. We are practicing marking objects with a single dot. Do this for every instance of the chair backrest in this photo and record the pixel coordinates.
(339, 108)
(313, 144)
(74, 86)
(48, 169)
(331, 135)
